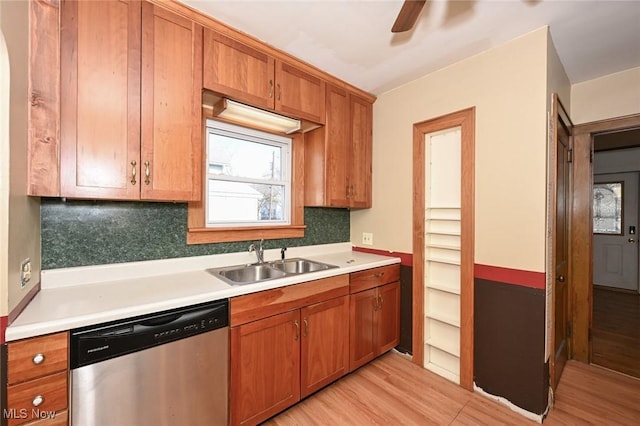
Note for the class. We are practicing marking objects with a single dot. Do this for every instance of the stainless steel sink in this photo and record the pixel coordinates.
(258, 272)
(300, 266)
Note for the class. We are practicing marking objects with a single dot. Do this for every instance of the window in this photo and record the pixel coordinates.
(607, 208)
(252, 186)
(248, 177)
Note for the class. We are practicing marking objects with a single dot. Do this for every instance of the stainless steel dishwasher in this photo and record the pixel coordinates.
(168, 368)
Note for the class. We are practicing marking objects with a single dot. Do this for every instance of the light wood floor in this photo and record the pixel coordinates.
(615, 339)
(394, 391)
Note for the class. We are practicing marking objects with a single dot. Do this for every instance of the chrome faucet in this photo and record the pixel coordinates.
(259, 251)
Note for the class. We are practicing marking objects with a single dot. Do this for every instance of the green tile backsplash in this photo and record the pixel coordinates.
(79, 233)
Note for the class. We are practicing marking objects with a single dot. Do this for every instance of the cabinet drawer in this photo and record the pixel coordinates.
(36, 357)
(375, 277)
(50, 390)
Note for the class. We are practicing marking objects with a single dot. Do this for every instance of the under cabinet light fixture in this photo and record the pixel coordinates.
(248, 115)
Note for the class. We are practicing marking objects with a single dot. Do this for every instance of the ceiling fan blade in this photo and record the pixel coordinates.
(408, 15)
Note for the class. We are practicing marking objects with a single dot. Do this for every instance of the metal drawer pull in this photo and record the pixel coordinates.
(146, 172)
(297, 324)
(379, 275)
(270, 89)
(37, 401)
(133, 172)
(306, 328)
(38, 359)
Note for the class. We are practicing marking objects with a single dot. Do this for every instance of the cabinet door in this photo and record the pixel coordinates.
(100, 99)
(299, 94)
(265, 367)
(171, 106)
(360, 157)
(325, 344)
(337, 147)
(388, 317)
(362, 341)
(238, 71)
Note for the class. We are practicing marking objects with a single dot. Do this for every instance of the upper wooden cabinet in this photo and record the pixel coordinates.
(338, 155)
(130, 99)
(250, 75)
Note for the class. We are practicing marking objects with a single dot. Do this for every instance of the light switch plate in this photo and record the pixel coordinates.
(367, 238)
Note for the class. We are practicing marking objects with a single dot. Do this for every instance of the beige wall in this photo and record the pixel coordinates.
(557, 80)
(507, 85)
(23, 237)
(614, 95)
(4, 171)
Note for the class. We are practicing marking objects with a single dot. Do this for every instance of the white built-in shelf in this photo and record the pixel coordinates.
(450, 320)
(443, 347)
(442, 372)
(440, 260)
(443, 287)
(443, 246)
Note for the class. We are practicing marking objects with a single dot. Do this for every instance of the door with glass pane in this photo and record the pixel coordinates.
(615, 222)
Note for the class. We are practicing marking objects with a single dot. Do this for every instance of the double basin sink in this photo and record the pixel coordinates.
(258, 272)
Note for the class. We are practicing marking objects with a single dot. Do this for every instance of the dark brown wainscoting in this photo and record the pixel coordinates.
(509, 343)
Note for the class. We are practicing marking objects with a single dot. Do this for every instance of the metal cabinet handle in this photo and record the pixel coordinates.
(147, 172)
(279, 91)
(306, 328)
(379, 275)
(270, 89)
(38, 359)
(381, 302)
(37, 401)
(297, 324)
(133, 172)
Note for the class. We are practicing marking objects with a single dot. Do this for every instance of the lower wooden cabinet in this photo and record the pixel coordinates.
(277, 360)
(374, 323)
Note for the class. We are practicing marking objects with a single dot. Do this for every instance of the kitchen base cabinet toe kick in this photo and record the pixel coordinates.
(290, 342)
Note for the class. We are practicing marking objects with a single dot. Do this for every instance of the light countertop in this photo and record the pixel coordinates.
(76, 297)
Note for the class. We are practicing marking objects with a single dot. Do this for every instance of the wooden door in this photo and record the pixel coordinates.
(265, 367)
(615, 253)
(388, 317)
(324, 355)
(362, 341)
(336, 147)
(171, 105)
(299, 94)
(561, 270)
(360, 156)
(100, 102)
(238, 71)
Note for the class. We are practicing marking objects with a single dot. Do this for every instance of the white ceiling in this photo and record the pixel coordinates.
(352, 39)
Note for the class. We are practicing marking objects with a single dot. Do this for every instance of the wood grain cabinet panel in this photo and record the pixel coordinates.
(31, 358)
(238, 71)
(100, 98)
(171, 104)
(338, 155)
(45, 395)
(131, 81)
(265, 367)
(325, 344)
(299, 94)
(374, 314)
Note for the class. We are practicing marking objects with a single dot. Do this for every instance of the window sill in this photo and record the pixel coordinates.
(225, 235)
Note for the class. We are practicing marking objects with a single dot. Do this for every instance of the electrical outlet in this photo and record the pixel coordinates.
(25, 272)
(367, 238)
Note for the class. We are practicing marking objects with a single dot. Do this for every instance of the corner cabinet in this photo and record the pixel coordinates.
(130, 100)
(374, 313)
(286, 343)
(250, 75)
(338, 156)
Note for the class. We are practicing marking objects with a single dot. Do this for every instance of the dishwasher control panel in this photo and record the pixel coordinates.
(105, 341)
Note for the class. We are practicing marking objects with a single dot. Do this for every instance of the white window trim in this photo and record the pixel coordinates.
(227, 129)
